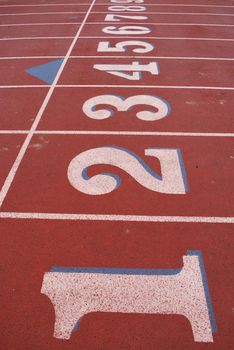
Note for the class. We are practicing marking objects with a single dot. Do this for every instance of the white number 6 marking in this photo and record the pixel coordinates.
(122, 105)
(171, 181)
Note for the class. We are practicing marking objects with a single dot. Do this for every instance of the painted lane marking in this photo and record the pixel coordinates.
(168, 24)
(41, 5)
(161, 108)
(152, 86)
(157, 38)
(39, 24)
(23, 86)
(41, 13)
(47, 71)
(172, 179)
(101, 4)
(127, 218)
(125, 133)
(101, 56)
(75, 292)
(120, 86)
(95, 23)
(105, 12)
(7, 184)
(37, 38)
(28, 57)
(178, 13)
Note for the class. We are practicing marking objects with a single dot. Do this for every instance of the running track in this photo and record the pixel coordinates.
(116, 174)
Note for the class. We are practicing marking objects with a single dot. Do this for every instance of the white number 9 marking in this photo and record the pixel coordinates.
(122, 105)
(171, 181)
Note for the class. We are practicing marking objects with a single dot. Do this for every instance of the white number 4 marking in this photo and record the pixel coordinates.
(129, 71)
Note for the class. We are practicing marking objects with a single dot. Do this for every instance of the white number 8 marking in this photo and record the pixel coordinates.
(171, 181)
(122, 105)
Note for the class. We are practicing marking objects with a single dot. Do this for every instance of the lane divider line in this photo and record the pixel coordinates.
(106, 217)
(104, 12)
(144, 23)
(101, 4)
(133, 56)
(10, 177)
(120, 86)
(119, 133)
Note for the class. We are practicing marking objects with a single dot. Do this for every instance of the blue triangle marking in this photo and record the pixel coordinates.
(46, 72)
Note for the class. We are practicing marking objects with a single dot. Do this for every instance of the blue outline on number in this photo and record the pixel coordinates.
(198, 253)
(117, 271)
(112, 112)
(116, 177)
(140, 160)
(185, 179)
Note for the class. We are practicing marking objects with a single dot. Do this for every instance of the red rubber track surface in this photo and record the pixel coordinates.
(45, 221)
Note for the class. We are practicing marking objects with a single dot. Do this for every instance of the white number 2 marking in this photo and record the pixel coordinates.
(171, 180)
(104, 46)
(122, 105)
(134, 69)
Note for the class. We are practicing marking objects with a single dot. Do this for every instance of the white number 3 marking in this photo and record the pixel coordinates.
(171, 181)
(122, 105)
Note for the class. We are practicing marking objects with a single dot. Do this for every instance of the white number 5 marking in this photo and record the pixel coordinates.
(122, 105)
(104, 46)
(171, 180)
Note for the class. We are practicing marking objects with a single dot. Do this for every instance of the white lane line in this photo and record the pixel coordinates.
(106, 4)
(75, 23)
(182, 5)
(119, 133)
(157, 38)
(105, 12)
(41, 5)
(105, 217)
(162, 57)
(40, 24)
(136, 133)
(42, 13)
(178, 13)
(141, 57)
(29, 57)
(24, 147)
(37, 38)
(120, 86)
(113, 37)
(23, 86)
(6, 132)
(165, 24)
(149, 87)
